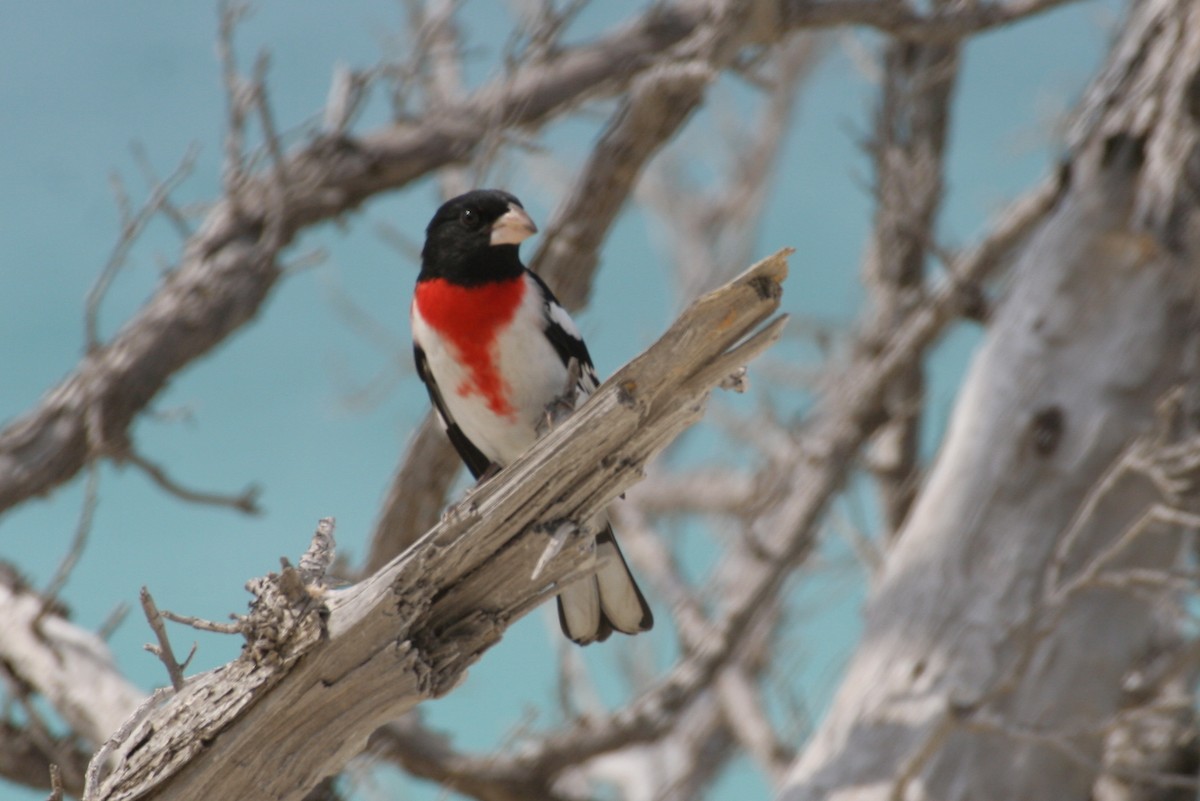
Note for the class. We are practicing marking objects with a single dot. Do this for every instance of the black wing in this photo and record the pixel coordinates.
(566, 343)
(476, 462)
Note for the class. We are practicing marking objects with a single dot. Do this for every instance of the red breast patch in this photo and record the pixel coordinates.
(471, 318)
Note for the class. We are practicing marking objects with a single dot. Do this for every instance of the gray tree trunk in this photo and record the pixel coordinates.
(1004, 628)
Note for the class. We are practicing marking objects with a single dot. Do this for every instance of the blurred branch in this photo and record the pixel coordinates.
(658, 103)
(70, 668)
(26, 762)
(909, 149)
(231, 264)
(132, 226)
(708, 228)
(82, 529)
(1034, 431)
(246, 501)
(946, 23)
(417, 494)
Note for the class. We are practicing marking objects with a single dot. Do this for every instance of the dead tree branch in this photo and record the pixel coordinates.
(408, 632)
(69, 667)
(911, 126)
(164, 651)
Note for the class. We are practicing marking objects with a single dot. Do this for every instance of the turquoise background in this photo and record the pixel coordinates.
(318, 414)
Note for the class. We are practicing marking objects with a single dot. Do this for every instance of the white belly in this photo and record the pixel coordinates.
(530, 368)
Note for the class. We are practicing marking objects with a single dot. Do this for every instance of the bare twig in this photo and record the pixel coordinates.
(201, 624)
(82, 529)
(56, 785)
(708, 228)
(175, 214)
(132, 226)
(277, 211)
(163, 650)
(231, 13)
(657, 106)
(348, 89)
(246, 502)
(113, 621)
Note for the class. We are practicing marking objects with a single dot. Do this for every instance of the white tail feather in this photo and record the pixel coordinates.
(618, 595)
(579, 607)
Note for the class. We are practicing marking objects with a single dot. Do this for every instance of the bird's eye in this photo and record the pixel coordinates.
(469, 218)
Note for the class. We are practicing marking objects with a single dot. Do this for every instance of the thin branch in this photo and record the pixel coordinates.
(246, 502)
(113, 621)
(56, 784)
(82, 529)
(231, 13)
(707, 228)
(163, 650)
(657, 105)
(132, 226)
(348, 90)
(22, 761)
(176, 215)
(281, 181)
(201, 624)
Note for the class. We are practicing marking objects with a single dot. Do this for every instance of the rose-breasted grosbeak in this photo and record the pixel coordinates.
(492, 345)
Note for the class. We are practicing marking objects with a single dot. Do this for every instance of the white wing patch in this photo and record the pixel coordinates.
(559, 315)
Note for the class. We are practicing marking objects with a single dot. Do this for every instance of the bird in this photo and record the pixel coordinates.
(493, 346)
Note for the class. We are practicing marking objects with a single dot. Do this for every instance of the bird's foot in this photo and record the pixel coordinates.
(563, 406)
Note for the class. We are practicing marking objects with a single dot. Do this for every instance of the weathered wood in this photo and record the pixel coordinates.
(303, 698)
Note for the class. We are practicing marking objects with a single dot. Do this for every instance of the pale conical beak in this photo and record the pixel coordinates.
(513, 227)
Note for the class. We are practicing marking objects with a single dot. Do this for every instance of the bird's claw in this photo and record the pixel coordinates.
(563, 406)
